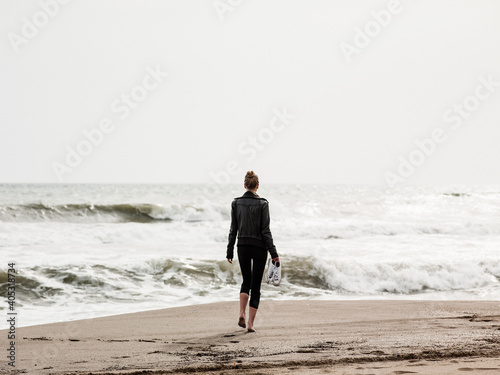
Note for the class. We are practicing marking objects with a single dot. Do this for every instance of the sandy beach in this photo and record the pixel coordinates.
(305, 337)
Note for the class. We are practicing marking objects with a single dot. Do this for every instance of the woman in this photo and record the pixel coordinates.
(250, 220)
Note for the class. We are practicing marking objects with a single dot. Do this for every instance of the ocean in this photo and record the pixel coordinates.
(86, 251)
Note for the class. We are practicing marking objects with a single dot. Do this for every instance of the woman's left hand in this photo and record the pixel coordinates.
(277, 259)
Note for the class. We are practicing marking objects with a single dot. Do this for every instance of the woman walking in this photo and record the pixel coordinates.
(250, 223)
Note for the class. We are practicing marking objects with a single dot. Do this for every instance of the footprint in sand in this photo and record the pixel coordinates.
(477, 369)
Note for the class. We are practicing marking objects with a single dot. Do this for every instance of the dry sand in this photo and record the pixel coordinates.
(305, 337)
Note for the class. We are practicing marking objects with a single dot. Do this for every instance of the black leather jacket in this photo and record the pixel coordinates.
(250, 220)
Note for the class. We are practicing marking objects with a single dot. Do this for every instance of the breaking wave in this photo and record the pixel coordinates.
(163, 279)
(126, 212)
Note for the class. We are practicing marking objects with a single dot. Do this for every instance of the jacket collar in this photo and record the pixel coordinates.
(249, 194)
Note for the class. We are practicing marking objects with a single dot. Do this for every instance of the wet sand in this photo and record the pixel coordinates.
(300, 337)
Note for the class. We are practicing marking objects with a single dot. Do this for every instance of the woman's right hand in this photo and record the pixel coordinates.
(277, 259)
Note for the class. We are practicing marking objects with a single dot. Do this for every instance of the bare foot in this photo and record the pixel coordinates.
(241, 322)
(250, 330)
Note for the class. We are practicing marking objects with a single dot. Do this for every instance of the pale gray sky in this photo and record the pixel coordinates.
(356, 84)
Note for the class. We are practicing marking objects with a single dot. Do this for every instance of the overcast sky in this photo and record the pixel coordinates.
(185, 91)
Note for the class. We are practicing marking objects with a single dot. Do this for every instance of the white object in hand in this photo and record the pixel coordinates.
(273, 274)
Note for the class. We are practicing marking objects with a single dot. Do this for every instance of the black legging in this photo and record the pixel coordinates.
(252, 275)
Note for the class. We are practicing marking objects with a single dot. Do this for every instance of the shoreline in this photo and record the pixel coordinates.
(305, 336)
